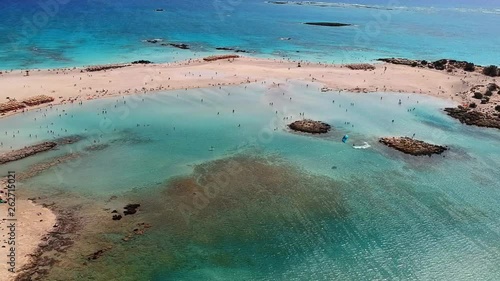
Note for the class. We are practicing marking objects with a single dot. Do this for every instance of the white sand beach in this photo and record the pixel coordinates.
(72, 85)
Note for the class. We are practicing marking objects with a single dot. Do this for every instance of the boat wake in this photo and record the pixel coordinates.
(364, 146)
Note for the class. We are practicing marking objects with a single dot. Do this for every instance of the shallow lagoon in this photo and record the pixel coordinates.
(295, 207)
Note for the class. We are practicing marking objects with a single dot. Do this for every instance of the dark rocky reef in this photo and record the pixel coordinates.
(154, 41)
(141, 62)
(330, 24)
(97, 254)
(131, 209)
(473, 117)
(176, 45)
(412, 146)
(310, 126)
(26, 152)
(68, 140)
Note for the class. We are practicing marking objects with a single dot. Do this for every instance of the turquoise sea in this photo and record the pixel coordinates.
(230, 193)
(57, 33)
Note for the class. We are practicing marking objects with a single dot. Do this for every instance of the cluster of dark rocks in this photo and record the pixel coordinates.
(179, 46)
(412, 146)
(310, 126)
(176, 45)
(473, 117)
(442, 64)
(129, 209)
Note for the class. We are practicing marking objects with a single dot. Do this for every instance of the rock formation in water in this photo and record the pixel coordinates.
(25, 152)
(179, 46)
(310, 126)
(98, 254)
(331, 24)
(412, 146)
(472, 117)
(231, 49)
(131, 209)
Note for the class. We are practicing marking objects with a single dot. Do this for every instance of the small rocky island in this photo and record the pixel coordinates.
(412, 146)
(310, 126)
(330, 24)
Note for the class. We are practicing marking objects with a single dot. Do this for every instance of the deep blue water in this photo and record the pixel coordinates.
(82, 32)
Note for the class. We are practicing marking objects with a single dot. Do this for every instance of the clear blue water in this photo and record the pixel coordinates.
(303, 207)
(376, 213)
(83, 32)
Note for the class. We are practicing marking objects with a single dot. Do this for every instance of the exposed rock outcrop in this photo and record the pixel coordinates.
(442, 64)
(310, 126)
(412, 146)
(473, 117)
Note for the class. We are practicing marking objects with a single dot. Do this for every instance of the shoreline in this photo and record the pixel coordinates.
(75, 85)
(34, 223)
